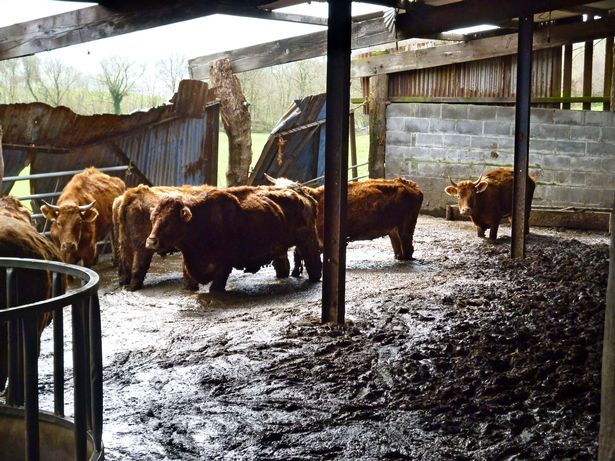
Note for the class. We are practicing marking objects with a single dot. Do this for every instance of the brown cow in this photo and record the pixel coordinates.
(19, 239)
(82, 215)
(131, 221)
(10, 207)
(489, 199)
(376, 207)
(242, 227)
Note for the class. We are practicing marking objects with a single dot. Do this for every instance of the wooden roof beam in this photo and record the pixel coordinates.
(418, 22)
(96, 22)
(485, 48)
(364, 34)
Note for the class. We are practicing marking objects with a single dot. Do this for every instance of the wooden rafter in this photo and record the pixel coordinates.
(425, 21)
(480, 49)
(364, 34)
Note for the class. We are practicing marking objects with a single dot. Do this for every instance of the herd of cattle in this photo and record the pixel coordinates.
(221, 229)
(243, 227)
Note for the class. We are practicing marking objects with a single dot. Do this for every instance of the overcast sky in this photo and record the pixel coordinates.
(192, 39)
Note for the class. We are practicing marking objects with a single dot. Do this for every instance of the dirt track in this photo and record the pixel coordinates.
(462, 354)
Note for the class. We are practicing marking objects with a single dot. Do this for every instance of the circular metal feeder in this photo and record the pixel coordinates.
(26, 433)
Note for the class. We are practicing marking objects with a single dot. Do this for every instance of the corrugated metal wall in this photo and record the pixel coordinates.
(488, 78)
(166, 153)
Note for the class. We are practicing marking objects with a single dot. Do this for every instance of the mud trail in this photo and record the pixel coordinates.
(462, 354)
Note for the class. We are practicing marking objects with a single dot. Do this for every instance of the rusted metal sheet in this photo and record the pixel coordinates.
(295, 148)
(39, 124)
(167, 145)
(495, 77)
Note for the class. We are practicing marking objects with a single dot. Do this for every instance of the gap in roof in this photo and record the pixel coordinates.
(321, 9)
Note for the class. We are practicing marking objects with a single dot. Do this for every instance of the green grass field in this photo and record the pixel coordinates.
(260, 139)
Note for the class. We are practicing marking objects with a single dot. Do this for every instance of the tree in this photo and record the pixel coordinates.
(171, 70)
(119, 75)
(49, 80)
(9, 80)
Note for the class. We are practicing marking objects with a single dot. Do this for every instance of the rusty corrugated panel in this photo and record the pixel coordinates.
(302, 156)
(38, 124)
(494, 78)
(166, 152)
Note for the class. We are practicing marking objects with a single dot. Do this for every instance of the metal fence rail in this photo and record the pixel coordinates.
(23, 340)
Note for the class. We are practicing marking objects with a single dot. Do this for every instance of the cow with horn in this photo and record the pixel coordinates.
(82, 215)
(489, 199)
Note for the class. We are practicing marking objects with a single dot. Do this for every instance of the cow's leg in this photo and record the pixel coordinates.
(298, 263)
(396, 243)
(307, 244)
(125, 258)
(219, 280)
(406, 237)
(189, 283)
(281, 266)
(140, 265)
(90, 256)
(480, 231)
(493, 231)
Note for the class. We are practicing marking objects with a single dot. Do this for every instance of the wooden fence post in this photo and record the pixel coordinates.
(606, 451)
(378, 94)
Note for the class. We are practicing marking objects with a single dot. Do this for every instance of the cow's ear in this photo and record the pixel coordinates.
(186, 214)
(89, 215)
(481, 186)
(49, 212)
(451, 190)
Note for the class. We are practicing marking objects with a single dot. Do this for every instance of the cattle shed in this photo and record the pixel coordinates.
(499, 130)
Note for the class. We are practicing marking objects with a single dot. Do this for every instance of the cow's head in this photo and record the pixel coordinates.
(69, 224)
(169, 220)
(466, 191)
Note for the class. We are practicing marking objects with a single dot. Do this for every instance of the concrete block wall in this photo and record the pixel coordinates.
(572, 153)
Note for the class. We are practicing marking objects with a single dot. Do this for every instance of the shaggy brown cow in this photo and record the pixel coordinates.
(19, 239)
(376, 207)
(132, 225)
(82, 215)
(489, 199)
(243, 228)
(11, 207)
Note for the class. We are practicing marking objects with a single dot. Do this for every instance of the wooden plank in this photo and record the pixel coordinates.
(96, 22)
(479, 49)
(608, 72)
(567, 77)
(486, 100)
(417, 22)
(378, 94)
(587, 72)
(364, 34)
(584, 219)
(606, 438)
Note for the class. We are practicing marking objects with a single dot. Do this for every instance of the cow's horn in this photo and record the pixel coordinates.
(452, 182)
(271, 179)
(477, 182)
(87, 207)
(53, 207)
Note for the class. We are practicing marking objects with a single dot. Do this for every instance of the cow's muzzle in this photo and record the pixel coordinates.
(465, 211)
(152, 243)
(68, 247)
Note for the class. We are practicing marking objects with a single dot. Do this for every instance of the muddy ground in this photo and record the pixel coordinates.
(462, 354)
